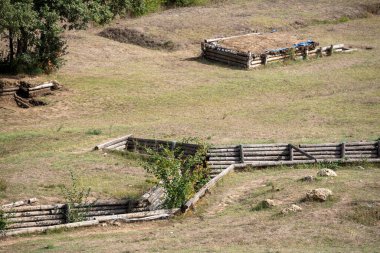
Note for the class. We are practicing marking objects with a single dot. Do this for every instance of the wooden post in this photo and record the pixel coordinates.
(306, 53)
(241, 153)
(378, 149)
(319, 52)
(67, 213)
(343, 150)
(331, 49)
(173, 145)
(264, 59)
(290, 152)
(249, 59)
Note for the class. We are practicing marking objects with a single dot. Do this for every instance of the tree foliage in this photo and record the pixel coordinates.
(181, 176)
(33, 28)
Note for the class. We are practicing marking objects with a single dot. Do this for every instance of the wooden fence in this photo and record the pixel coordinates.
(33, 217)
(221, 157)
(140, 145)
(212, 51)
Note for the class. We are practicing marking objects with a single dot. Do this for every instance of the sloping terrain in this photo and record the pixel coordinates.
(227, 220)
(115, 88)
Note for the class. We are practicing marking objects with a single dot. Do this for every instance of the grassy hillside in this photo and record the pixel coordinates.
(226, 221)
(113, 89)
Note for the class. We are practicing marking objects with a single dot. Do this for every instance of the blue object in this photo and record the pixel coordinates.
(301, 44)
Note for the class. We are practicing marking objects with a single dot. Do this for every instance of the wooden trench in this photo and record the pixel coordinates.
(220, 159)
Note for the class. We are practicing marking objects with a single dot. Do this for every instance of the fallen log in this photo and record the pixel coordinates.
(20, 203)
(137, 215)
(49, 228)
(191, 203)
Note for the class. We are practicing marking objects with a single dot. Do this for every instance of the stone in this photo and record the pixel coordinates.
(320, 194)
(292, 209)
(308, 179)
(326, 173)
(271, 203)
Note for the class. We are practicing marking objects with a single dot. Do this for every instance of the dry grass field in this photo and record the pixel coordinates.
(113, 88)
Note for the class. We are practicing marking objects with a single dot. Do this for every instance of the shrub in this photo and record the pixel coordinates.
(94, 132)
(75, 194)
(181, 176)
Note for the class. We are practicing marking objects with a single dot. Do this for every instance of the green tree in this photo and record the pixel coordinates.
(33, 29)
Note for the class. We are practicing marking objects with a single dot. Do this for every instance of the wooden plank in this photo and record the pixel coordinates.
(192, 202)
(224, 158)
(20, 203)
(264, 153)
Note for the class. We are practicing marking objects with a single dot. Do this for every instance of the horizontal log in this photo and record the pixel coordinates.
(105, 212)
(33, 208)
(137, 215)
(116, 145)
(20, 203)
(264, 149)
(265, 153)
(112, 142)
(33, 213)
(35, 224)
(13, 232)
(357, 148)
(98, 203)
(352, 152)
(36, 218)
(10, 89)
(316, 153)
(267, 158)
(225, 57)
(228, 54)
(225, 61)
(219, 150)
(221, 162)
(41, 86)
(226, 158)
(228, 154)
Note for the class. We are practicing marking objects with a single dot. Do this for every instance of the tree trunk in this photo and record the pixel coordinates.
(11, 51)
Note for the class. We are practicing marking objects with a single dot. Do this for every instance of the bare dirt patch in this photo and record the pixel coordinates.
(138, 36)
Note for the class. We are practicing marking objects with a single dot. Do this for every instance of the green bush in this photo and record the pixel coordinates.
(75, 194)
(141, 7)
(181, 176)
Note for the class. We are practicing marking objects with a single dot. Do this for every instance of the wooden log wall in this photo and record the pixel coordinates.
(48, 215)
(212, 51)
(218, 158)
(133, 144)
